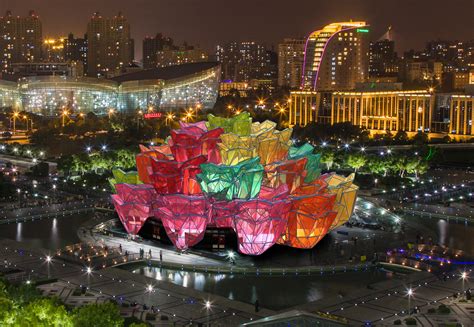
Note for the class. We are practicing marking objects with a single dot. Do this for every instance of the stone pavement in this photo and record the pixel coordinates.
(180, 305)
(387, 301)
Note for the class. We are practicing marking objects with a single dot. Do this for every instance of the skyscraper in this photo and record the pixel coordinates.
(20, 39)
(243, 61)
(336, 57)
(110, 47)
(290, 62)
(383, 60)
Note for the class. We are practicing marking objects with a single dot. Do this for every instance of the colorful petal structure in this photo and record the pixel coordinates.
(184, 219)
(232, 173)
(240, 124)
(312, 166)
(346, 194)
(133, 204)
(260, 222)
(121, 177)
(241, 181)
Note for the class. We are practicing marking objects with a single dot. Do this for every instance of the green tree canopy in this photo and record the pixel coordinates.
(98, 314)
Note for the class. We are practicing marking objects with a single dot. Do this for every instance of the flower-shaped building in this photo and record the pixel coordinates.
(232, 173)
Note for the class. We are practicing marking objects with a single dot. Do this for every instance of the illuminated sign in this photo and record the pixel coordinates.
(152, 115)
(362, 30)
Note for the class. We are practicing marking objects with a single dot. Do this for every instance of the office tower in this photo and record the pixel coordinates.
(20, 39)
(109, 45)
(243, 61)
(290, 62)
(336, 57)
(383, 59)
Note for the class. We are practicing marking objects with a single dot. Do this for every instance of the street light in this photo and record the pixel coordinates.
(15, 116)
(464, 276)
(48, 261)
(89, 272)
(64, 114)
(410, 294)
(208, 307)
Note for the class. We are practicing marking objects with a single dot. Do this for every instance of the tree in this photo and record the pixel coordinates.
(98, 314)
(356, 161)
(401, 137)
(43, 313)
(420, 138)
(327, 158)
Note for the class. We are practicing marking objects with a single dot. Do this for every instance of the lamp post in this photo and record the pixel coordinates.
(64, 114)
(410, 294)
(464, 276)
(149, 290)
(48, 261)
(15, 116)
(89, 273)
(208, 308)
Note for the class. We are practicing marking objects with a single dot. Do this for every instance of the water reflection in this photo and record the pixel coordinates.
(274, 292)
(49, 234)
(19, 228)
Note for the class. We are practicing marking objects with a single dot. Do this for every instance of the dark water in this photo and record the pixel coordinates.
(273, 292)
(49, 234)
(453, 234)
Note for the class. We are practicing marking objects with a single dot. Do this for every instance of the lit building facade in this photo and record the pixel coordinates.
(408, 111)
(336, 57)
(109, 45)
(387, 111)
(179, 56)
(20, 39)
(462, 115)
(290, 62)
(168, 88)
(244, 61)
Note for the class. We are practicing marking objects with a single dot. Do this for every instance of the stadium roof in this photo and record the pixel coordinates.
(166, 73)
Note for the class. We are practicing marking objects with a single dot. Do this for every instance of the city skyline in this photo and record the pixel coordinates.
(149, 17)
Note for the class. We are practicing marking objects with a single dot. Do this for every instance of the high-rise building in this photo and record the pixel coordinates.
(336, 57)
(20, 39)
(151, 46)
(290, 62)
(383, 60)
(171, 56)
(75, 49)
(109, 45)
(244, 61)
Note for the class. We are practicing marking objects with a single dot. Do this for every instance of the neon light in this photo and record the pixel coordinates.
(152, 115)
(362, 30)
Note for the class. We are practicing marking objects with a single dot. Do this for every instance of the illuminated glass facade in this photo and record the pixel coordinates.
(173, 88)
(8, 94)
(48, 95)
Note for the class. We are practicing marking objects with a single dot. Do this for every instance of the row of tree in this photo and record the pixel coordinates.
(398, 164)
(97, 162)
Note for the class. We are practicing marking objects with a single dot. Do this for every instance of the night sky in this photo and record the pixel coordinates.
(209, 22)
